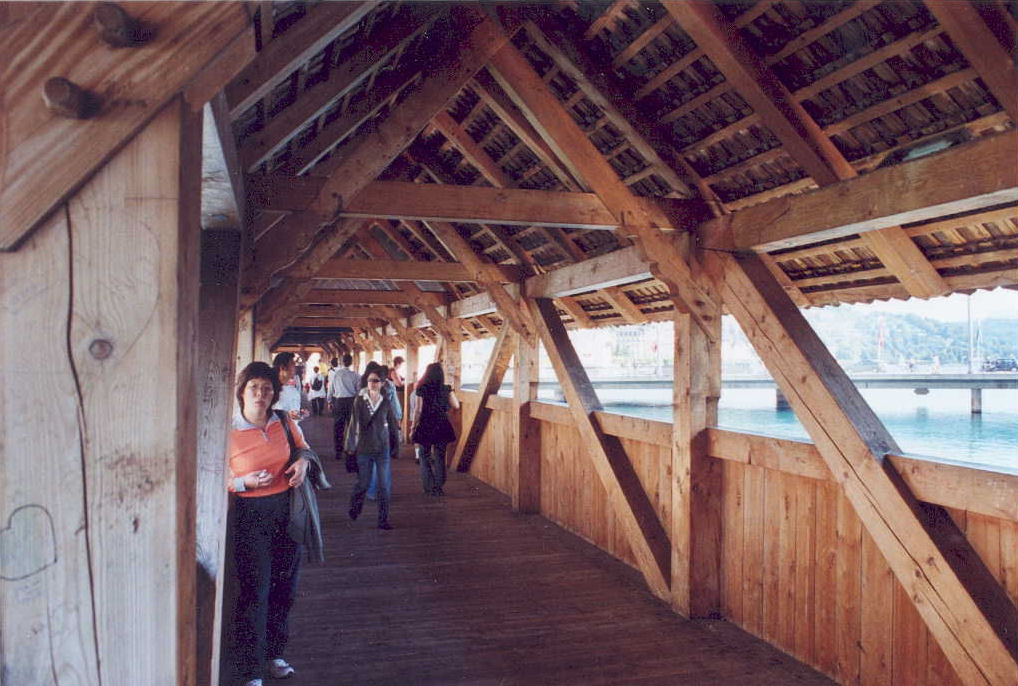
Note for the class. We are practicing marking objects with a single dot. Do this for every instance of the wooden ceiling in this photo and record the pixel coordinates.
(721, 115)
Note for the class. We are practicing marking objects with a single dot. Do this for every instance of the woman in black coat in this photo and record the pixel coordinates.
(431, 429)
(371, 433)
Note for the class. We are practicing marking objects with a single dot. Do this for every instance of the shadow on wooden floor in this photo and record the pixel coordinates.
(465, 591)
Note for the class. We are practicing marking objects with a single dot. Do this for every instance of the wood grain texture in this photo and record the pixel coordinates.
(46, 158)
(123, 264)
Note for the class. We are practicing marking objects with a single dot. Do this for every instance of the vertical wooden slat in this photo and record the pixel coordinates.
(877, 603)
(732, 537)
(753, 550)
(910, 638)
(787, 563)
(849, 597)
(217, 327)
(805, 569)
(826, 561)
(772, 556)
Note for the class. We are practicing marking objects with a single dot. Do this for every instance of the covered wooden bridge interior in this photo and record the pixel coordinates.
(190, 186)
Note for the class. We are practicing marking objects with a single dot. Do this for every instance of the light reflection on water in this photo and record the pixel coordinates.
(938, 425)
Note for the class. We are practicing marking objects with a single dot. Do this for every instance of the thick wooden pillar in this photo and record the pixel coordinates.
(526, 445)
(98, 311)
(453, 363)
(696, 477)
(217, 325)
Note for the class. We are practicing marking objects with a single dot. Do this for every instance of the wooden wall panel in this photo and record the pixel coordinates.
(797, 568)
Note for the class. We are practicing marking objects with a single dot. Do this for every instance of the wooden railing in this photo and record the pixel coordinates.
(797, 568)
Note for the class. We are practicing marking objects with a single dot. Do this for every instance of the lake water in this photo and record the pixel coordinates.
(938, 425)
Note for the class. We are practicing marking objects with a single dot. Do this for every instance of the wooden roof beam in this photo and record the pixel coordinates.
(606, 91)
(412, 270)
(487, 277)
(317, 296)
(373, 152)
(505, 109)
(342, 78)
(981, 48)
(516, 74)
(483, 205)
(758, 85)
(885, 197)
(281, 57)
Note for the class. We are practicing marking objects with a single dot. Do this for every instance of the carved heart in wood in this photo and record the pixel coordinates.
(27, 543)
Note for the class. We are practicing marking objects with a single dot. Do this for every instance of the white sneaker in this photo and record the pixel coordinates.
(280, 669)
(253, 682)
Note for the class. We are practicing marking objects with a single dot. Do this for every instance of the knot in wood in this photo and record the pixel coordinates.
(117, 28)
(100, 349)
(66, 99)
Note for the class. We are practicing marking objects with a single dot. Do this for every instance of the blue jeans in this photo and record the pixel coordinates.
(373, 488)
(432, 467)
(365, 465)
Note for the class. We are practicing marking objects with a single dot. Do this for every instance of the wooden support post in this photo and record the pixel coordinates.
(473, 428)
(696, 477)
(636, 515)
(452, 359)
(98, 487)
(965, 609)
(526, 433)
(217, 340)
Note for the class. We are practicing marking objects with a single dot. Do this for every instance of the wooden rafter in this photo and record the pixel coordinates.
(372, 153)
(635, 512)
(341, 79)
(885, 197)
(487, 276)
(669, 265)
(398, 270)
(981, 48)
(281, 57)
(495, 98)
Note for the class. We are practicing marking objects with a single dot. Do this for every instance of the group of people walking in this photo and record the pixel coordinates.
(269, 460)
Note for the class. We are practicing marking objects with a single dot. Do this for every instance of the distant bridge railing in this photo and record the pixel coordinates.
(920, 383)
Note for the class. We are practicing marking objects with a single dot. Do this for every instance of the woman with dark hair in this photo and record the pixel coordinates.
(371, 433)
(431, 429)
(289, 397)
(266, 558)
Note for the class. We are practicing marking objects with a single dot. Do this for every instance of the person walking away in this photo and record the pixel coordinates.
(317, 392)
(371, 431)
(342, 390)
(266, 559)
(333, 367)
(431, 429)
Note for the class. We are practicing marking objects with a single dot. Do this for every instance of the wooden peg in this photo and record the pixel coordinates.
(67, 99)
(117, 28)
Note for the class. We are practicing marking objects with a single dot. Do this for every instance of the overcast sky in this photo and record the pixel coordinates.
(995, 304)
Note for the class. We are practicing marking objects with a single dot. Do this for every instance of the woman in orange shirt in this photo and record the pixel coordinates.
(266, 558)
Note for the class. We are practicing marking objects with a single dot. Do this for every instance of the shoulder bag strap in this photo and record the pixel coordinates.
(289, 437)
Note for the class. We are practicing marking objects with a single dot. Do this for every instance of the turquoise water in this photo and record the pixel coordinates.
(937, 425)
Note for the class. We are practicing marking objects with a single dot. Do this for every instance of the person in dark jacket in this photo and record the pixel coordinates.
(371, 433)
(431, 429)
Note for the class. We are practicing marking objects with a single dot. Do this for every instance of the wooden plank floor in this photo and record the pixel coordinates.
(464, 591)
